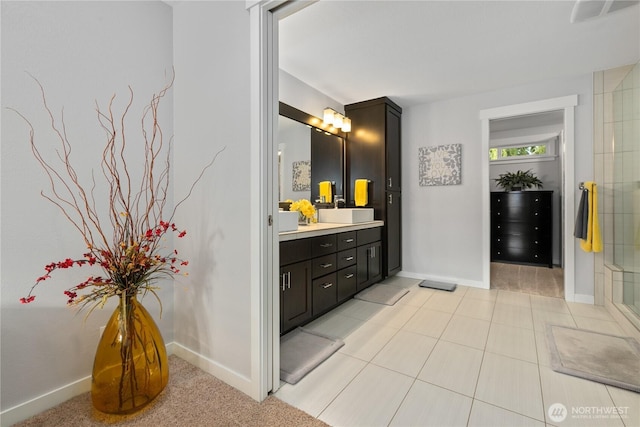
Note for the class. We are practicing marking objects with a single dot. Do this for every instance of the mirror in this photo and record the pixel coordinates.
(307, 155)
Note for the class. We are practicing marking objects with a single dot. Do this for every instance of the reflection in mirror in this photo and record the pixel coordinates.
(307, 155)
(294, 159)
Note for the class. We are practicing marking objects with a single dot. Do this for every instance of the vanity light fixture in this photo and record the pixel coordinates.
(346, 124)
(335, 119)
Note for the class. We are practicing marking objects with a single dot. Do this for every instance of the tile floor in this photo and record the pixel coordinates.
(471, 357)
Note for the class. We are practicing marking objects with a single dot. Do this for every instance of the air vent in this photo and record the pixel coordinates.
(589, 9)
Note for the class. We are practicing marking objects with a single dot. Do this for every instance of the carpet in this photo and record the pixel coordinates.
(603, 358)
(302, 350)
(192, 398)
(382, 294)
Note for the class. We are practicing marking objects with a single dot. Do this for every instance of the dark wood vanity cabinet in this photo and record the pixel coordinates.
(374, 153)
(318, 273)
(521, 227)
(295, 283)
(369, 257)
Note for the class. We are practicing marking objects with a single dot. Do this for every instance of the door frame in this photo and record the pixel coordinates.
(567, 104)
(265, 296)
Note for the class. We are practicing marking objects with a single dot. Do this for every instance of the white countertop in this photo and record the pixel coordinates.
(323, 228)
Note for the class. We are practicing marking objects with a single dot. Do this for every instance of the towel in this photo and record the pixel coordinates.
(361, 192)
(325, 191)
(582, 219)
(593, 240)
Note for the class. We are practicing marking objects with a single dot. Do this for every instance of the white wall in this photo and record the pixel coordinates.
(213, 316)
(81, 52)
(442, 225)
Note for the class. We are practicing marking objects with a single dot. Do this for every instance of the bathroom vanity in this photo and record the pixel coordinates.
(324, 264)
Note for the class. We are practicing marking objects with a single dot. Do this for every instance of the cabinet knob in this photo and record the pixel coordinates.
(536, 242)
(535, 213)
(537, 200)
(535, 256)
(498, 240)
(499, 252)
(498, 226)
(535, 228)
(390, 183)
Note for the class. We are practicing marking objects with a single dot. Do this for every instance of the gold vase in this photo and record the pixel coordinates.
(130, 367)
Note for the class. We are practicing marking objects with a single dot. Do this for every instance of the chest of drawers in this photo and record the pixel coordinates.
(521, 227)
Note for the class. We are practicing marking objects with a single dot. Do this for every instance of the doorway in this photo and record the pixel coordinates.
(526, 225)
(566, 249)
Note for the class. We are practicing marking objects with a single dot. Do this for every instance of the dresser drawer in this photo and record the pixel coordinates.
(323, 265)
(522, 241)
(323, 245)
(520, 255)
(347, 240)
(346, 258)
(512, 227)
(325, 293)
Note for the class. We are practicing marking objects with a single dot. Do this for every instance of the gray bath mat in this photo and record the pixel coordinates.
(604, 358)
(302, 350)
(442, 286)
(382, 294)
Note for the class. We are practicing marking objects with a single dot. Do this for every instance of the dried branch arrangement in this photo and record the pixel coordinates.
(127, 240)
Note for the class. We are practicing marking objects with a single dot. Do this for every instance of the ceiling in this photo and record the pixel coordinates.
(422, 51)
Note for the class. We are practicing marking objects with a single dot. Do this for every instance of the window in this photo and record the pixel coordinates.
(523, 152)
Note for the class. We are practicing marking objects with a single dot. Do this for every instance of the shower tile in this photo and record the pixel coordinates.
(617, 106)
(608, 107)
(598, 170)
(598, 124)
(608, 138)
(627, 104)
(608, 168)
(598, 82)
(628, 141)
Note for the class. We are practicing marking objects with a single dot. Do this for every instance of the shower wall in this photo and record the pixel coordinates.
(626, 185)
(617, 173)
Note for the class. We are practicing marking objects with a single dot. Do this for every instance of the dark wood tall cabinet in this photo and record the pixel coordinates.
(373, 153)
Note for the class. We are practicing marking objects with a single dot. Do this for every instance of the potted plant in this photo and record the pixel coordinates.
(517, 181)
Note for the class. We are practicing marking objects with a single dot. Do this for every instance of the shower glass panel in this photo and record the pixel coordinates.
(626, 187)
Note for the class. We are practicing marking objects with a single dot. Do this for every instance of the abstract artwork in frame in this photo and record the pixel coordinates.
(440, 165)
(301, 176)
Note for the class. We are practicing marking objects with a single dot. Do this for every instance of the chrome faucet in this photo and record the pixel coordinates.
(338, 199)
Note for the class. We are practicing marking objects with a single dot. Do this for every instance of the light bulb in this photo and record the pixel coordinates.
(328, 116)
(346, 124)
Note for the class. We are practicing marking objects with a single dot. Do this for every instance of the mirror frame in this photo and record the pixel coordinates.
(300, 116)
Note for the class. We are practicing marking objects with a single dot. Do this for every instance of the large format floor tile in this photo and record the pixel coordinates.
(430, 405)
(453, 366)
(511, 384)
(371, 399)
(472, 357)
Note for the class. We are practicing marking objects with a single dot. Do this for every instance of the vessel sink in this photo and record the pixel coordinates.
(288, 221)
(345, 215)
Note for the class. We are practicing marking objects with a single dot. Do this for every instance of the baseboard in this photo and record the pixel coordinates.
(232, 378)
(447, 279)
(50, 399)
(583, 298)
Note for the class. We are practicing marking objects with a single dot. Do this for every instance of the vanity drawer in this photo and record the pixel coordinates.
(324, 293)
(347, 282)
(323, 245)
(369, 235)
(346, 258)
(347, 240)
(323, 265)
(294, 251)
